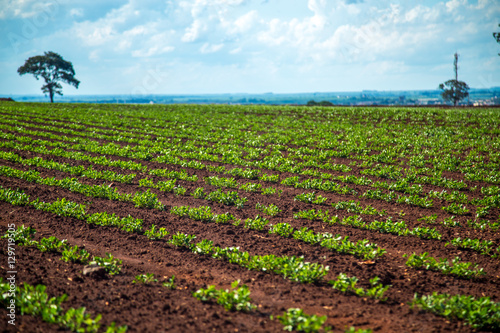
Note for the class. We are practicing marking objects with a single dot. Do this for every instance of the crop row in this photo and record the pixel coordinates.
(293, 268)
(492, 200)
(297, 270)
(441, 160)
(363, 248)
(149, 200)
(33, 300)
(23, 236)
(486, 203)
(282, 163)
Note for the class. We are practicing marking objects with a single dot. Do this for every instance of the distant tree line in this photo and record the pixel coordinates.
(322, 103)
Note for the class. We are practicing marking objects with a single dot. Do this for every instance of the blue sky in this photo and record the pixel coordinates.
(251, 46)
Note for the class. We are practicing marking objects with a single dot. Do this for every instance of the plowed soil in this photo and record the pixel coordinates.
(154, 308)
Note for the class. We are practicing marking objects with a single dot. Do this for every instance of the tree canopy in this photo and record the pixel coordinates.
(53, 69)
(454, 90)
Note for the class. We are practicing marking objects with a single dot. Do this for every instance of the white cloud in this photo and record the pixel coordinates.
(194, 31)
(27, 8)
(236, 50)
(287, 39)
(421, 14)
(455, 4)
(76, 12)
(94, 34)
(316, 6)
(210, 48)
(243, 23)
(152, 51)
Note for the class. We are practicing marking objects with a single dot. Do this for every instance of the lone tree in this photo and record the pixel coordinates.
(454, 90)
(496, 35)
(53, 69)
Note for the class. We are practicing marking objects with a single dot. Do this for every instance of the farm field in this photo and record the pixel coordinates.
(219, 218)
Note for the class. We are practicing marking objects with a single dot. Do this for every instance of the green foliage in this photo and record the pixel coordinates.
(311, 198)
(146, 182)
(199, 193)
(271, 191)
(269, 178)
(128, 224)
(236, 299)
(457, 209)
(182, 240)
(145, 278)
(229, 198)
(223, 218)
(251, 187)
(180, 210)
(154, 234)
(359, 330)
(171, 174)
(290, 181)
(147, 200)
(454, 196)
(294, 319)
(62, 207)
(271, 210)
(482, 211)
(166, 186)
(170, 284)
(179, 190)
(490, 190)
(292, 268)
(283, 229)
(454, 91)
(450, 222)
(425, 233)
(75, 254)
(455, 267)
(312, 215)
(388, 226)
(22, 236)
(481, 313)
(481, 246)
(348, 285)
(362, 248)
(52, 244)
(308, 236)
(258, 223)
(248, 173)
(14, 197)
(202, 213)
(415, 200)
(68, 253)
(33, 300)
(429, 219)
(204, 247)
(112, 265)
(221, 182)
(53, 69)
(483, 224)
(352, 206)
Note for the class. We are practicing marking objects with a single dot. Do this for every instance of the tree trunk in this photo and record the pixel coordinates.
(51, 94)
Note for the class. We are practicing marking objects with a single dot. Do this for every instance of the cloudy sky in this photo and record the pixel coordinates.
(252, 46)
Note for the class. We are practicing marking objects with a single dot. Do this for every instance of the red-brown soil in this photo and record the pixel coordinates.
(154, 308)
